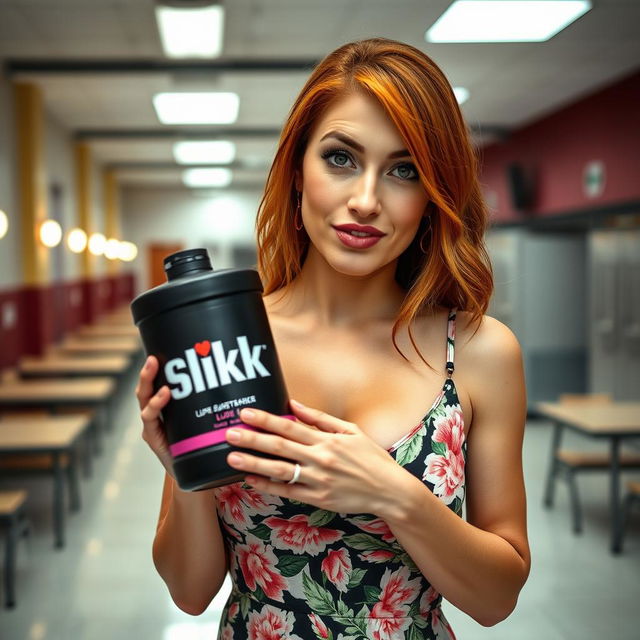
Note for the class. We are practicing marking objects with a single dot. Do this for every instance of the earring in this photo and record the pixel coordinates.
(424, 235)
(298, 211)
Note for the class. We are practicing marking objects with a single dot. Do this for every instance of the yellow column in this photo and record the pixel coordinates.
(112, 214)
(32, 181)
(83, 200)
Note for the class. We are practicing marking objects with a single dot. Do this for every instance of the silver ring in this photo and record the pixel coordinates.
(296, 474)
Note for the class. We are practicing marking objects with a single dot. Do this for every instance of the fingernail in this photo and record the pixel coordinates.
(147, 362)
(234, 458)
(247, 413)
(295, 403)
(233, 435)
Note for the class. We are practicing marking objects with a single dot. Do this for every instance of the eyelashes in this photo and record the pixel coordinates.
(342, 152)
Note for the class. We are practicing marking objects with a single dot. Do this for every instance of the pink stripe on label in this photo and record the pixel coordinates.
(209, 439)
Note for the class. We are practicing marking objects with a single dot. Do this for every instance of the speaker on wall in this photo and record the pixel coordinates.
(520, 187)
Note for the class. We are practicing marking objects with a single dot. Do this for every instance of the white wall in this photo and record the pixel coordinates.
(191, 217)
(10, 264)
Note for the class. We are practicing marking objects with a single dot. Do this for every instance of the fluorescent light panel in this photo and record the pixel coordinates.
(191, 32)
(505, 20)
(214, 177)
(204, 152)
(201, 107)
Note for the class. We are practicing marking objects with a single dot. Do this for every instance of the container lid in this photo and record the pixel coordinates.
(193, 285)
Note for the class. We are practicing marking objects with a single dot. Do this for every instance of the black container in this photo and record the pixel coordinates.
(211, 335)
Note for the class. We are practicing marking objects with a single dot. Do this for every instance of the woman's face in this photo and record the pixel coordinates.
(356, 170)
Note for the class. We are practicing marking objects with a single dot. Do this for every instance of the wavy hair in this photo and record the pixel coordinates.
(455, 271)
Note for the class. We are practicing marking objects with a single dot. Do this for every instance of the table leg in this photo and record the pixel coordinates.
(553, 465)
(58, 500)
(616, 514)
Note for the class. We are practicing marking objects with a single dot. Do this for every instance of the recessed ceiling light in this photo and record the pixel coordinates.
(462, 94)
(207, 177)
(505, 20)
(202, 107)
(191, 32)
(204, 152)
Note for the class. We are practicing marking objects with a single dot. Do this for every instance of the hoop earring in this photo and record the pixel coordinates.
(424, 235)
(298, 211)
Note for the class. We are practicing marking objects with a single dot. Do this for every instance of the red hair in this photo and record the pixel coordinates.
(455, 271)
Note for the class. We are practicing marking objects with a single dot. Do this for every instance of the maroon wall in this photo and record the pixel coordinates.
(42, 316)
(603, 126)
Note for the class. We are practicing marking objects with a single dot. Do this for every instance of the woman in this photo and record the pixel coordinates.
(361, 535)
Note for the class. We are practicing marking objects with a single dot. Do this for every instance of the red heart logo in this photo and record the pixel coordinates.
(203, 348)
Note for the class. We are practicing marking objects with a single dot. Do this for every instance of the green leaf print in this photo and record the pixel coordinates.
(261, 531)
(289, 566)
(259, 594)
(410, 450)
(318, 598)
(371, 593)
(407, 561)
(414, 633)
(356, 578)
(320, 517)
(439, 448)
(245, 602)
(439, 411)
(365, 542)
(343, 610)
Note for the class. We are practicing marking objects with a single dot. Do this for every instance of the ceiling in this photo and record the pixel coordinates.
(73, 48)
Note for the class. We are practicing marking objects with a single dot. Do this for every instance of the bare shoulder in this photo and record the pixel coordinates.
(488, 340)
(489, 359)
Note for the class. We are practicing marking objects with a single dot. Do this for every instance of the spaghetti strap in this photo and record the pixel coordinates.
(451, 337)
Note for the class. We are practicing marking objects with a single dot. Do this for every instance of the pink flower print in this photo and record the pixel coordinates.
(295, 534)
(379, 555)
(226, 633)
(389, 616)
(377, 527)
(337, 567)
(428, 598)
(319, 627)
(257, 563)
(398, 592)
(446, 472)
(271, 624)
(237, 504)
(232, 612)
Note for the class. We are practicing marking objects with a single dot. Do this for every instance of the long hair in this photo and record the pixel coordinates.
(455, 270)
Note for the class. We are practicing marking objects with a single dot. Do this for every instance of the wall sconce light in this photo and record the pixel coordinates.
(50, 233)
(97, 244)
(112, 249)
(4, 224)
(77, 240)
(128, 251)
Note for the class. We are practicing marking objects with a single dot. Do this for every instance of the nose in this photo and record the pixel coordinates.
(365, 199)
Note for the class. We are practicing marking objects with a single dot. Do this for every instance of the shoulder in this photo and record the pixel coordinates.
(486, 341)
(489, 358)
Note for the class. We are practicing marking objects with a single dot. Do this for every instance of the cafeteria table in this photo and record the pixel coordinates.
(107, 331)
(68, 366)
(95, 346)
(614, 421)
(56, 393)
(57, 436)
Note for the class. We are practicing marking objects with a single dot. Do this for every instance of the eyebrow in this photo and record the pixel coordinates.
(345, 139)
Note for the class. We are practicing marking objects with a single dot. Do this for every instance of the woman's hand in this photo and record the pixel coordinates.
(342, 469)
(151, 405)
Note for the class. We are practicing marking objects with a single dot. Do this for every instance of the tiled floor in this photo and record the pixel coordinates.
(103, 585)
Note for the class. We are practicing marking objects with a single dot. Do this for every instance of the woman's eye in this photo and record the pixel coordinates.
(339, 158)
(407, 172)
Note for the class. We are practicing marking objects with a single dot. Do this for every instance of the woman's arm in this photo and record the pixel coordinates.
(188, 549)
(480, 565)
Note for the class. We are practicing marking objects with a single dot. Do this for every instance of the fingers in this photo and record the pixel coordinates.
(322, 420)
(266, 443)
(285, 427)
(151, 411)
(144, 390)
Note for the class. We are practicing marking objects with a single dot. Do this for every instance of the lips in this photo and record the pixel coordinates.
(359, 229)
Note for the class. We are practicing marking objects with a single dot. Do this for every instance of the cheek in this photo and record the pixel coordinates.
(320, 193)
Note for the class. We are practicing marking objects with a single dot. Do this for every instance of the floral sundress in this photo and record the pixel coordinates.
(301, 573)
